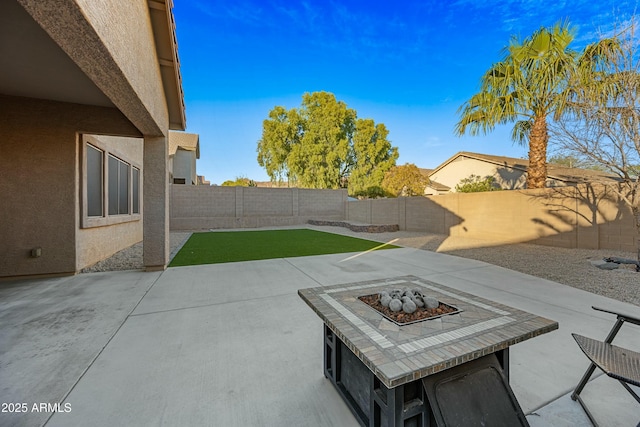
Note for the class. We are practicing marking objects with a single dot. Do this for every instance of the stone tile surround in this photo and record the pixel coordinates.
(401, 354)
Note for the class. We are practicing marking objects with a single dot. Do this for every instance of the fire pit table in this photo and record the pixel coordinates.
(450, 369)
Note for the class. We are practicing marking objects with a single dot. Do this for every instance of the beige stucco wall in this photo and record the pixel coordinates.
(183, 165)
(39, 186)
(125, 29)
(204, 207)
(97, 243)
(572, 217)
(451, 174)
(112, 42)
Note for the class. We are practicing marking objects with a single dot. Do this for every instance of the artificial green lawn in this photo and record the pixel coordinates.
(232, 246)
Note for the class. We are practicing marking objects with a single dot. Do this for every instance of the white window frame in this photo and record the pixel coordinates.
(106, 219)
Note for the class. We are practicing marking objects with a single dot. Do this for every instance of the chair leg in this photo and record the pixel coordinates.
(592, 367)
(630, 390)
(585, 378)
(583, 382)
(586, 410)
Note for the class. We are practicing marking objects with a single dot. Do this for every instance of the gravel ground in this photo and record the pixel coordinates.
(131, 257)
(571, 267)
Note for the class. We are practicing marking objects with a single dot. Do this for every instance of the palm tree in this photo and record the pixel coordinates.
(526, 87)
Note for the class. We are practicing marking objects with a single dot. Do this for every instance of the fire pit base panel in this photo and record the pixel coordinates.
(475, 393)
(448, 398)
(370, 401)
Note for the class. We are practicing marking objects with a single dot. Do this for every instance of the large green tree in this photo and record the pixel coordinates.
(323, 144)
(405, 180)
(527, 86)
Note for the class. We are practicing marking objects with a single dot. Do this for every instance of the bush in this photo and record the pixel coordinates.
(476, 184)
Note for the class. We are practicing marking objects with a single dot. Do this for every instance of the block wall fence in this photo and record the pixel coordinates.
(199, 207)
(586, 216)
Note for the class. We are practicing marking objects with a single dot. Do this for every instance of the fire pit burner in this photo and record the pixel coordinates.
(403, 318)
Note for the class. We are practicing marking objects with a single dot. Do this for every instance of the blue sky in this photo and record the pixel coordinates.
(407, 64)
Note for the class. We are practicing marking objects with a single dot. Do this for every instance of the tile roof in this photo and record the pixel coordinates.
(185, 141)
(554, 171)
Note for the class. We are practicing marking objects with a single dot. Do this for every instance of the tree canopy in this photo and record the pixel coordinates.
(405, 180)
(323, 144)
(240, 181)
(529, 85)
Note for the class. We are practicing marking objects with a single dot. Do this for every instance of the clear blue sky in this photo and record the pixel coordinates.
(407, 64)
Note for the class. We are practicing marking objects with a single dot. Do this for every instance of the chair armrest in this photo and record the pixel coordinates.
(625, 317)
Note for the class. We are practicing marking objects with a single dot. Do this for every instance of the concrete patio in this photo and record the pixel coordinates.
(234, 345)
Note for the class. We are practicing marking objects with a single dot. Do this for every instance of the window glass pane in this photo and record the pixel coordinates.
(113, 185)
(94, 181)
(123, 200)
(135, 185)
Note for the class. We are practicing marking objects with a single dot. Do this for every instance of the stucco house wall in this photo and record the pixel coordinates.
(95, 243)
(81, 67)
(184, 150)
(184, 166)
(39, 160)
(462, 167)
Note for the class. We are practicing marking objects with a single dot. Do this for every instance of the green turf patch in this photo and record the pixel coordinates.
(232, 246)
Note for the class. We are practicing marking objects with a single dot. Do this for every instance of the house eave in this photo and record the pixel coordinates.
(164, 31)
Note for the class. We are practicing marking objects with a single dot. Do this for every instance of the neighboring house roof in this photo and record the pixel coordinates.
(438, 187)
(184, 141)
(554, 171)
(433, 184)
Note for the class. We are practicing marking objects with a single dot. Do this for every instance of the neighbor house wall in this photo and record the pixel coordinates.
(184, 166)
(204, 207)
(39, 158)
(587, 217)
(451, 174)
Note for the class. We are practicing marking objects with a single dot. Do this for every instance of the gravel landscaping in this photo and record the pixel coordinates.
(571, 267)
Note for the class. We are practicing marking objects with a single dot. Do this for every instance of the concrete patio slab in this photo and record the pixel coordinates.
(233, 344)
(202, 366)
(51, 330)
(185, 287)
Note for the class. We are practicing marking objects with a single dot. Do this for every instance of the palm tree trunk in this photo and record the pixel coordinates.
(537, 171)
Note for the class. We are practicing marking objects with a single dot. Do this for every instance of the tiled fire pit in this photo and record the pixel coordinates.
(377, 365)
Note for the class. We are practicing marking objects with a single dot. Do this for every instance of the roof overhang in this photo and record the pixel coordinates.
(164, 32)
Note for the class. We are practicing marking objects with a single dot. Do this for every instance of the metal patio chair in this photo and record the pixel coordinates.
(617, 362)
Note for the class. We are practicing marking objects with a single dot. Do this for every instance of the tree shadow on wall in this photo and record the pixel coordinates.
(586, 210)
(509, 178)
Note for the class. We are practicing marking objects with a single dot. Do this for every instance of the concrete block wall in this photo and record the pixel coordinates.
(327, 204)
(589, 217)
(203, 207)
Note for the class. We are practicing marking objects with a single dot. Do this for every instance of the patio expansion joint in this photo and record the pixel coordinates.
(434, 272)
(209, 305)
(287, 260)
